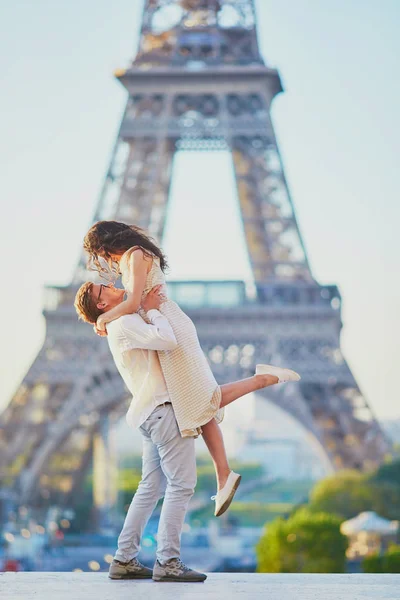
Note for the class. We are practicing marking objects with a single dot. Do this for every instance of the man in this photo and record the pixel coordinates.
(169, 462)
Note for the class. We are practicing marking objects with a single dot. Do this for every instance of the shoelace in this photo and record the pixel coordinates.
(134, 562)
(182, 565)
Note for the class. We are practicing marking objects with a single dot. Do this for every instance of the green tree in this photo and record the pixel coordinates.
(305, 543)
(389, 472)
(372, 563)
(385, 482)
(389, 562)
(386, 499)
(345, 494)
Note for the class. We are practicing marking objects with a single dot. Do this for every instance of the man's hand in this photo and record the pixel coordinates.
(154, 299)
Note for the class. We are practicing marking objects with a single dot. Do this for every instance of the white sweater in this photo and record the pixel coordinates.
(134, 344)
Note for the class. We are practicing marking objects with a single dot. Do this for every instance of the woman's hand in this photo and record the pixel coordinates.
(100, 326)
(154, 298)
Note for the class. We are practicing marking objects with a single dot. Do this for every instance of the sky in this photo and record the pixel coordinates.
(337, 124)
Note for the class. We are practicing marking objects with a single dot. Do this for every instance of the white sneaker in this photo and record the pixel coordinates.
(224, 497)
(282, 374)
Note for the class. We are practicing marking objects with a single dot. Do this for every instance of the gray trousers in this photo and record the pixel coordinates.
(169, 470)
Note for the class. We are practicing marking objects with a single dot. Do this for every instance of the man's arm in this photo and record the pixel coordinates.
(157, 336)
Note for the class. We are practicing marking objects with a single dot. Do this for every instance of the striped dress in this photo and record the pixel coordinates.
(193, 390)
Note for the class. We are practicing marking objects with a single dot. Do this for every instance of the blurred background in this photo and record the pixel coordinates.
(337, 128)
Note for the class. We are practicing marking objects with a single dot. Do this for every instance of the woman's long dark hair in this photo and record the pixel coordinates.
(111, 237)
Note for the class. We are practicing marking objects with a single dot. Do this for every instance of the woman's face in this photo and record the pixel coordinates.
(111, 257)
(115, 257)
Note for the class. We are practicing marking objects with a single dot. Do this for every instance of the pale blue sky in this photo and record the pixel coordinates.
(338, 128)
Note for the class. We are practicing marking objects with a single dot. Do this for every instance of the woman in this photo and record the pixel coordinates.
(197, 399)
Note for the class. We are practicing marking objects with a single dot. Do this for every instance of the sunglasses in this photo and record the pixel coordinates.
(101, 289)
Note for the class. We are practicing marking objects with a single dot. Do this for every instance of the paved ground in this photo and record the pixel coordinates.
(219, 586)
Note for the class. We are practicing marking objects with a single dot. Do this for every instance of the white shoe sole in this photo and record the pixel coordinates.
(224, 507)
(283, 375)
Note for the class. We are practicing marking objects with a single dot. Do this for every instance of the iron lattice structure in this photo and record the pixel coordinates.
(198, 82)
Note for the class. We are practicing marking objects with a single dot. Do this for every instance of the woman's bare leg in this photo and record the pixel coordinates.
(237, 389)
(212, 436)
(212, 433)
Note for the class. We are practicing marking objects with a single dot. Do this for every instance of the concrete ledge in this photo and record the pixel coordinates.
(218, 586)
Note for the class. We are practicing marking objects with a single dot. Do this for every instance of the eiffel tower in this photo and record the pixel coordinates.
(198, 82)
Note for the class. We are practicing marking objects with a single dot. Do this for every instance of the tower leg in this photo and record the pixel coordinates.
(144, 192)
(273, 239)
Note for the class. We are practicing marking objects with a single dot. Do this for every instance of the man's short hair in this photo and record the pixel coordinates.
(85, 305)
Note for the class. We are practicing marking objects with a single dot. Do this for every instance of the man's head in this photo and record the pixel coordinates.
(92, 299)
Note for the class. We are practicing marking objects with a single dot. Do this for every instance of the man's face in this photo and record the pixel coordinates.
(106, 296)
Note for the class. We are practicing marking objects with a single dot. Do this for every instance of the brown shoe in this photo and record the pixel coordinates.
(130, 570)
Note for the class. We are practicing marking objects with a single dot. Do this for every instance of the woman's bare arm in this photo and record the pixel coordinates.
(139, 265)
